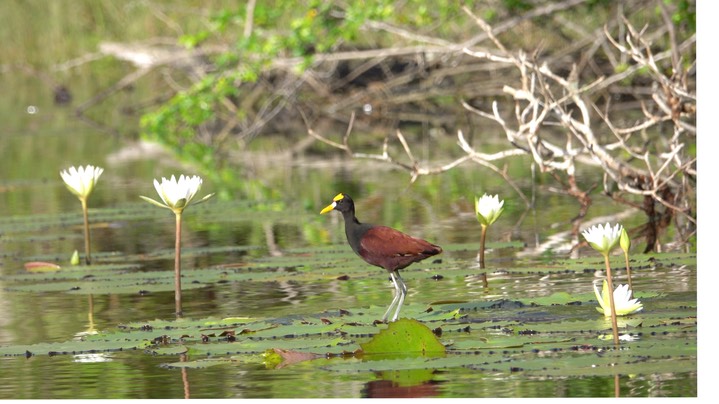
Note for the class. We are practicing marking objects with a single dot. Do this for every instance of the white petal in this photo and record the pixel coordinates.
(172, 191)
(600, 299)
(158, 188)
(82, 180)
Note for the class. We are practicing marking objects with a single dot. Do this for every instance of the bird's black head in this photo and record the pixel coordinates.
(342, 203)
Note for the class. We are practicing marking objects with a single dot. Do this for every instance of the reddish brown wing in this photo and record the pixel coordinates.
(392, 249)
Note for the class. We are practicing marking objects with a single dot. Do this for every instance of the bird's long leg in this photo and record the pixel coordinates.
(401, 292)
(397, 296)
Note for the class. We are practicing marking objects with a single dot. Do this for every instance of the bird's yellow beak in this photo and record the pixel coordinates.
(328, 208)
(332, 205)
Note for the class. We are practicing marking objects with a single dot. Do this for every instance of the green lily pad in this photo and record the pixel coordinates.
(404, 336)
(72, 347)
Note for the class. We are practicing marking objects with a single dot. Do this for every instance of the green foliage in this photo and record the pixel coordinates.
(281, 29)
(684, 12)
(515, 6)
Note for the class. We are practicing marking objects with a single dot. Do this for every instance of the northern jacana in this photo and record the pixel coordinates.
(382, 246)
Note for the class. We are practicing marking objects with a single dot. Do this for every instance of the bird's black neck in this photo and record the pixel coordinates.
(354, 229)
(349, 217)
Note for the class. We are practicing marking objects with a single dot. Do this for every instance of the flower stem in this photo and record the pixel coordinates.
(87, 230)
(629, 274)
(615, 330)
(178, 287)
(481, 246)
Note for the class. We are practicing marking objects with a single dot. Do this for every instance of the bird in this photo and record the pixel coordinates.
(382, 246)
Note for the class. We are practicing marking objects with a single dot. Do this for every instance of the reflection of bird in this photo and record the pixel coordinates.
(382, 246)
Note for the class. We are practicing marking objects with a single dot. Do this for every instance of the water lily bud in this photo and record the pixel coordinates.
(624, 241)
(75, 259)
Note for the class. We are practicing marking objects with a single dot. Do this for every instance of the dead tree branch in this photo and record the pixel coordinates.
(555, 122)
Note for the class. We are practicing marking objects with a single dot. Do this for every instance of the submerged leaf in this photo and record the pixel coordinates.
(277, 358)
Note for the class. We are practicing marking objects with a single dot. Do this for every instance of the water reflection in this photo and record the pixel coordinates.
(480, 279)
(90, 330)
(414, 383)
(291, 289)
(92, 358)
(185, 379)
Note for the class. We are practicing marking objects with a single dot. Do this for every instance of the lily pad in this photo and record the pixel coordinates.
(72, 347)
(37, 266)
(404, 336)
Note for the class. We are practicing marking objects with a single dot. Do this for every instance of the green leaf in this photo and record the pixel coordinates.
(404, 336)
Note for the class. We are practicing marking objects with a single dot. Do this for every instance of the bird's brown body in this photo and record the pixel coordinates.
(382, 246)
(393, 250)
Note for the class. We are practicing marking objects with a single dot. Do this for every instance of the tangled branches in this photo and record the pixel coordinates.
(553, 122)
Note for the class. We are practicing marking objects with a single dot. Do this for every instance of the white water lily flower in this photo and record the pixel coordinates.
(81, 181)
(623, 302)
(603, 239)
(488, 209)
(176, 194)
